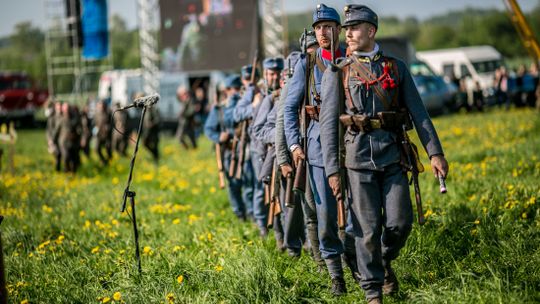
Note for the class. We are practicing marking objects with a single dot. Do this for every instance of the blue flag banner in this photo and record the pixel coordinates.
(95, 29)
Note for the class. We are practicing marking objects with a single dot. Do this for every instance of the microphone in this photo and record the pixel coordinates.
(141, 102)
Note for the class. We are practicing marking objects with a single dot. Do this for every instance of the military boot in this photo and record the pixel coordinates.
(391, 284)
(339, 287)
(335, 269)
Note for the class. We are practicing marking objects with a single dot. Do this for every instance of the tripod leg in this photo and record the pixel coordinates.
(136, 233)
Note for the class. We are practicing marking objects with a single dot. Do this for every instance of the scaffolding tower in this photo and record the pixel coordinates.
(70, 77)
(274, 28)
(148, 13)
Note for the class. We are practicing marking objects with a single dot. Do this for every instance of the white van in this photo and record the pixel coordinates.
(474, 63)
(122, 85)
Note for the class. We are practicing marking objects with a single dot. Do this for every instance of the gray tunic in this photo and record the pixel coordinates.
(379, 148)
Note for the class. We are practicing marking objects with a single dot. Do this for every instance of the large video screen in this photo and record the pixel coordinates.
(202, 35)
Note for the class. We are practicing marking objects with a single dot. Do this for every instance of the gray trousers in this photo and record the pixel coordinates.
(382, 220)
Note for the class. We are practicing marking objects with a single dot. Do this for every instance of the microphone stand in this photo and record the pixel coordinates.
(131, 195)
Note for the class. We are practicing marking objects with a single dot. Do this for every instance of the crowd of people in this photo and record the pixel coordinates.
(338, 129)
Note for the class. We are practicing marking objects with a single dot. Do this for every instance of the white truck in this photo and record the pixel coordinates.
(474, 64)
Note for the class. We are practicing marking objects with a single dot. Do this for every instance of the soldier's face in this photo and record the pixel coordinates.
(272, 78)
(360, 37)
(323, 31)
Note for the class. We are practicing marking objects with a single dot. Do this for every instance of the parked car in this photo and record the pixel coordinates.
(19, 98)
(438, 95)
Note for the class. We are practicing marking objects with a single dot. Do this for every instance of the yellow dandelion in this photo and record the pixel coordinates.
(115, 180)
(176, 221)
(524, 215)
(105, 300)
(95, 250)
(477, 222)
(218, 268)
(148, 250)
(82, 213)
(25, 301)
(60, 239)
(180, 279)
(117, 296)
(170, 298)
(212, 189)
(209, 236)
(46, 209)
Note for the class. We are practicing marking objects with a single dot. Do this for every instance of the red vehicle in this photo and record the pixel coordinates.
(19, 99)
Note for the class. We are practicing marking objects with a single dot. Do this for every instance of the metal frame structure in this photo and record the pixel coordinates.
(67, 62)
(148, 16)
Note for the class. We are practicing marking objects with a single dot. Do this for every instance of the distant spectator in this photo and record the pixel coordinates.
(478, 97)
(532, 85)
(501, 86)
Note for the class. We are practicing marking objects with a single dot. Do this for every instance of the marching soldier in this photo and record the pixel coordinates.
(284, 159)
(120, 135)
(379, 97)
(102, 122)
(150, 132)
(326, 24)
(219, 128)
(246, 110)
(86, 131)
(69, 138)
(186, 118)
(291, 219)
(273, 68)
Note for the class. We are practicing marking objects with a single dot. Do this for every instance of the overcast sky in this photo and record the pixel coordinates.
(15, 11)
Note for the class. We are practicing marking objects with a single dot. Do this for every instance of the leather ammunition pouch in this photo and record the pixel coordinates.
(313, 112)
(390, 121)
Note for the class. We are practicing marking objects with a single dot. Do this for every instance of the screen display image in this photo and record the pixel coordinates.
(202, 35)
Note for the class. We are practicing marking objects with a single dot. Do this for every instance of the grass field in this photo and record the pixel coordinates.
(65, 240)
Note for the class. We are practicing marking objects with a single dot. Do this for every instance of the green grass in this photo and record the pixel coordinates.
(65, 240)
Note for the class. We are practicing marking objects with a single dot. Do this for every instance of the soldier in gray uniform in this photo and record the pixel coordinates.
(284, 159)
(379, 97)
(120, 135)
(150, 132)
(326, 25)
(102, 122)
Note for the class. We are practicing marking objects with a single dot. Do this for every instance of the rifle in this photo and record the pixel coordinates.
(219, 152)
(244, 126)
(3, 290)
(275, 205)
(289, 198)
(219, 160)
(413, 167)
(300, 176)
(341, 152)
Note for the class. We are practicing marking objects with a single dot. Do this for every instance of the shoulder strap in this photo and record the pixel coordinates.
(320, 64)
(365, 74)
(348, 98)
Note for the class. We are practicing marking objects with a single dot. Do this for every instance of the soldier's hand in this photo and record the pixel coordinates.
(439, 165)
(256, 100)
(223, 137)
(335, 184)
(286, 169)
(297, 155)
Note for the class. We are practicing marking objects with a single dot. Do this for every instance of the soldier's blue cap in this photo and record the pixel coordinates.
(232, 81)
(292, 59)
(325, 13)
(356, 13)
(273, 63)
(311, 39)
(246, 71)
